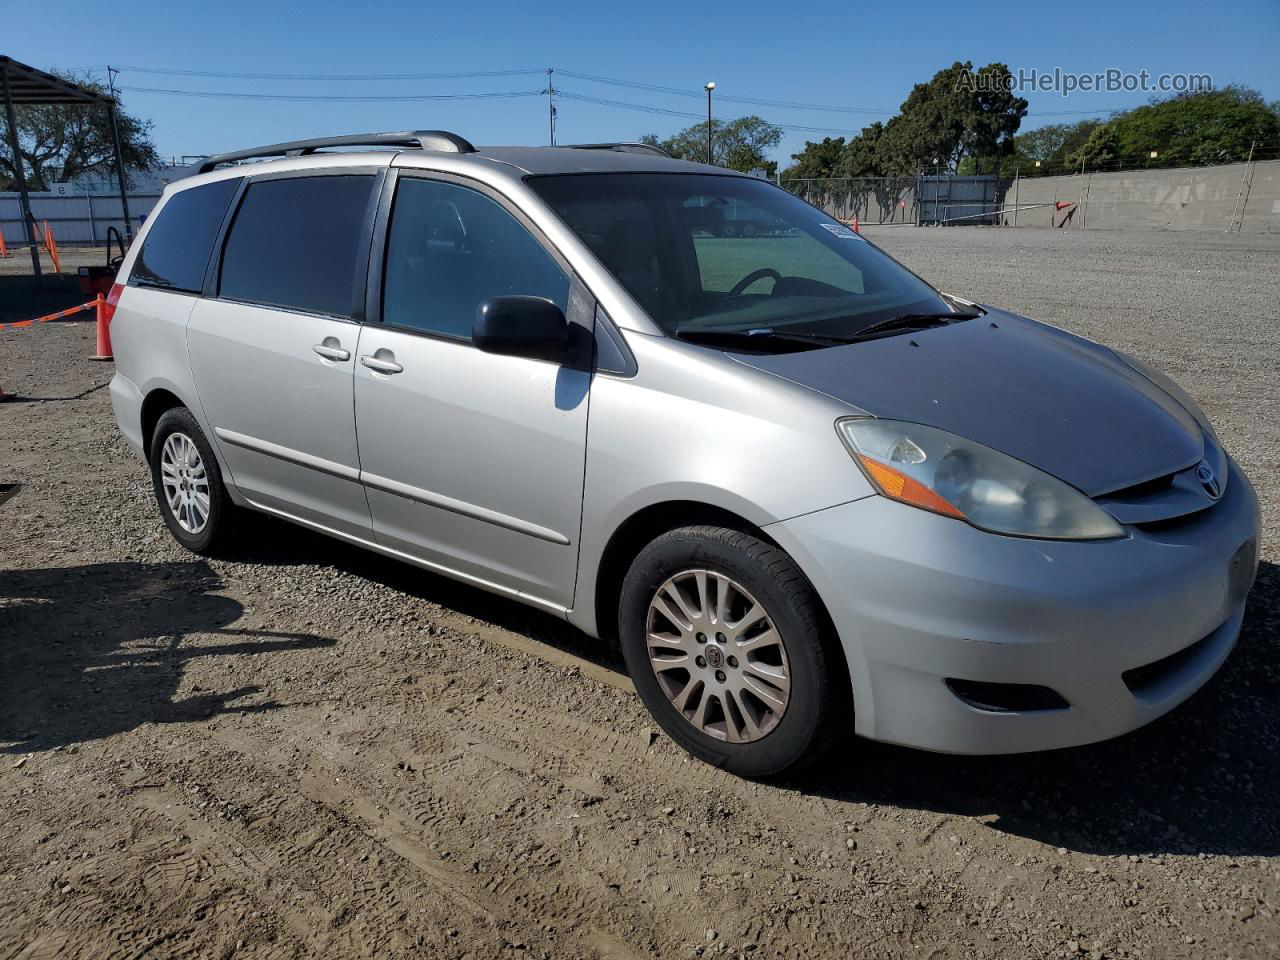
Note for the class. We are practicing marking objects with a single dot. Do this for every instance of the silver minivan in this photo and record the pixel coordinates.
(805, 491)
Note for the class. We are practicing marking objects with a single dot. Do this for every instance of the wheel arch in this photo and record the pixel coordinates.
(646, 524)
(154, 405)
(652, 521)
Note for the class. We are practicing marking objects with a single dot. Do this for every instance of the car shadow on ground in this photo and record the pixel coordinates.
(1200, 780)
(95, 650)
(279, 542)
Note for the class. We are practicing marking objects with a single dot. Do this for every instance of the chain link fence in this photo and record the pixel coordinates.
(869, 199)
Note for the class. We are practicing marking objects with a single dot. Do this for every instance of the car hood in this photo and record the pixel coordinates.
(1054, 400)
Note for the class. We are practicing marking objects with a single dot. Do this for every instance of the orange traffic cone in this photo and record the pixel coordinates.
(855, 225)
(104, 330)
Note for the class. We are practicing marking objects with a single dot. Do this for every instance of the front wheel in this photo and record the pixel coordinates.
(726, 644)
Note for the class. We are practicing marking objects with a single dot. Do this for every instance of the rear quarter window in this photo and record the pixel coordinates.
(295, 243)
(176, 250)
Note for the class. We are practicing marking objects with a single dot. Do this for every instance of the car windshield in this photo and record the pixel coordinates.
(735, 259)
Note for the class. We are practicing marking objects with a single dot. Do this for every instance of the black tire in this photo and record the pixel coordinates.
(818, 692)
(218, 530)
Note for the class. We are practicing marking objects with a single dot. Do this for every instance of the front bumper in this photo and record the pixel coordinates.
(919, 598)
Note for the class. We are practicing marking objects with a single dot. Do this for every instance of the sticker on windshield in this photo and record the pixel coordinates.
(839, 230)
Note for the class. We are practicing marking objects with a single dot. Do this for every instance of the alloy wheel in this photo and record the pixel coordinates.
(718, 656)
(185, 481)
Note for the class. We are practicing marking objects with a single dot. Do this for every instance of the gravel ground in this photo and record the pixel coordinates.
(308, 750)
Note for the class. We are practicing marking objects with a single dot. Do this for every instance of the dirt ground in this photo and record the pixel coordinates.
(308, 750)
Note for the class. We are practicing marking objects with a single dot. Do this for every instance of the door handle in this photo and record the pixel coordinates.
(383, 361)
(330, 351)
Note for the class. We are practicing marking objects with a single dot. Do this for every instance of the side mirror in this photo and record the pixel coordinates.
(522, 327)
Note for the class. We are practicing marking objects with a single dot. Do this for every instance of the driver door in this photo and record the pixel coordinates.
(473, 462)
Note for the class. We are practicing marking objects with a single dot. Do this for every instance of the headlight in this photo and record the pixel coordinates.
(938, 471)
(1213, 452)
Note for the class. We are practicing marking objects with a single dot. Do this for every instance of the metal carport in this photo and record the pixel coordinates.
(24, 85)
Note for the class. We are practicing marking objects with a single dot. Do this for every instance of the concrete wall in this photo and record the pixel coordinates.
(1198, 198)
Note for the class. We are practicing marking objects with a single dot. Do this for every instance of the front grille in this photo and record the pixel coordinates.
(1170, 524)
(1006, 697)
(1147, 488)
(1161, 504)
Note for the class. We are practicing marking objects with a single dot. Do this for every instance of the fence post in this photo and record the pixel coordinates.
(93, 227)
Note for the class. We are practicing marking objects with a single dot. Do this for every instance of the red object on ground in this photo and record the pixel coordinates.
(106, 309)
(4, 251)
(1063, 204)
(855, 225)
(94, 280)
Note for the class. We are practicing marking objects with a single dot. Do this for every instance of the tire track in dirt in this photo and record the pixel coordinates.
(518, 904)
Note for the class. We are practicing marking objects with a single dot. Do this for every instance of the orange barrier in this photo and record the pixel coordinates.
(53, 316)
(4, 251)
(51, 246)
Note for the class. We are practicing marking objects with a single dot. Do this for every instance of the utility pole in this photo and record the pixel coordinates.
(710, 86)
(1017, 179)
(551, 106)
(115, 138)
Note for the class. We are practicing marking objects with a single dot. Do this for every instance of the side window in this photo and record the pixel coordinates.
(295, 243)
(450, 249)
(176, 251)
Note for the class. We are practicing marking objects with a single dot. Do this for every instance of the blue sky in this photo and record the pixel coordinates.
(856, 55)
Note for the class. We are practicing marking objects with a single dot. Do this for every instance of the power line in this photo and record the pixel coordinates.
(305, 98)
(663, 111)
(678, 91)
(230, 75)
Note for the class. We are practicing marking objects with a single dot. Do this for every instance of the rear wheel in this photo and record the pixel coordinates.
(724, 640)
(188, 484)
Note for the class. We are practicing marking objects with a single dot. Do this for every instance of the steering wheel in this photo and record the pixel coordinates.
(751, 278)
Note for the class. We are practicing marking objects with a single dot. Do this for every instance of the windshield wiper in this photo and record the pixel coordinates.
(911, 321)
(758, 337)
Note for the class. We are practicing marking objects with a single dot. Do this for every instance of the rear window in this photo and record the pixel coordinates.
(176, 250)
(296, 242)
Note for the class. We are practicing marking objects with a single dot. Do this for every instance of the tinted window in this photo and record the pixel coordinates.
(452, 248)
(295, 243)
(714, 254)
(176, 251)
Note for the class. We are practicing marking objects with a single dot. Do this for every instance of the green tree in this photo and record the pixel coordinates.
(817, 160)
(1215, 126)
(739, 144)
(65, 142)
(958, 113)
(1102, 147)
(862, 157)
(1049, 145)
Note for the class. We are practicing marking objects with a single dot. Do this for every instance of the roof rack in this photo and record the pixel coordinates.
(439, 140)
(624, 147)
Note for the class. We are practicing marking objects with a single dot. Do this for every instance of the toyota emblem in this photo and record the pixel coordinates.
(1209, 480)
